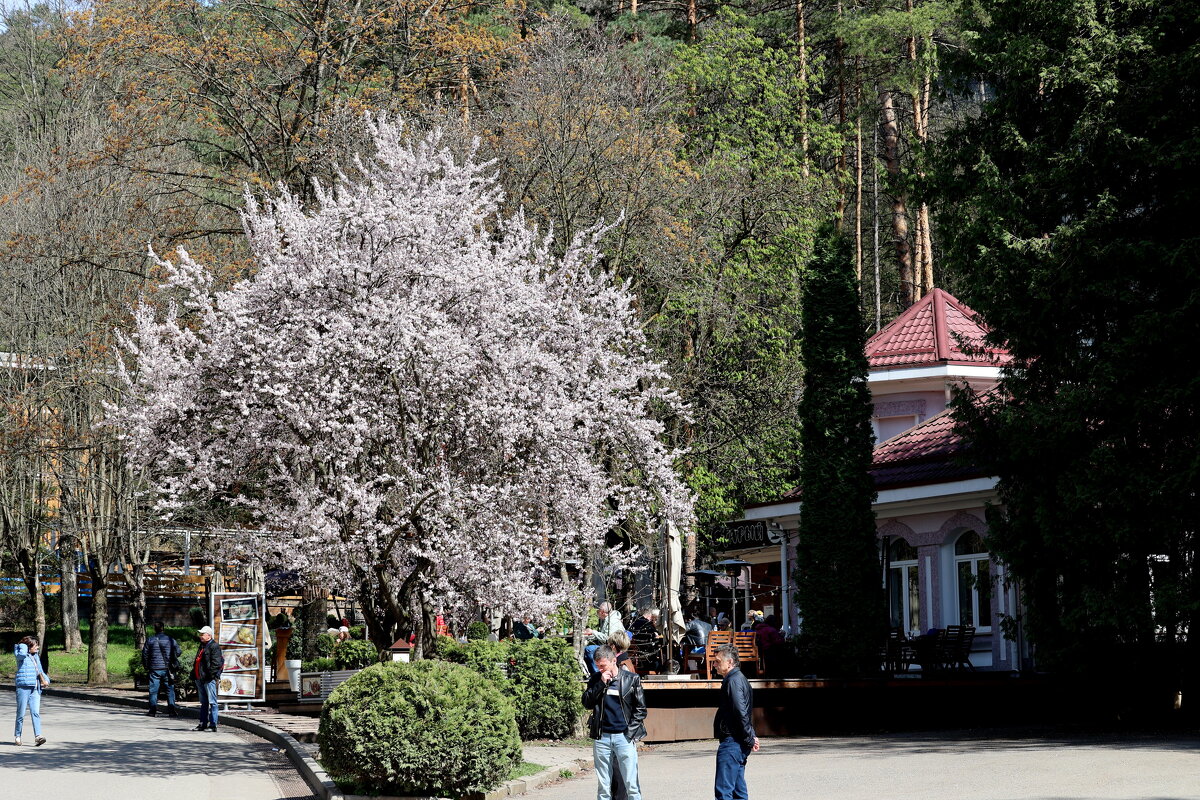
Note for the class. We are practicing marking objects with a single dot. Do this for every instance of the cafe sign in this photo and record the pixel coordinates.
(746, 535)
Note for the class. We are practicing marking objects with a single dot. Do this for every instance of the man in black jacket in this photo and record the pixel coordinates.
(733, 727)
(207, 671)
(618, 712)
(159, 657)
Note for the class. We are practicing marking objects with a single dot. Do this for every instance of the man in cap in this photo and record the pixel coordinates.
(206, 671)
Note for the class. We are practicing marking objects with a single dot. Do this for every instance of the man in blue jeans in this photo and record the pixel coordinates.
(618, 712)
(733, 726)
(159, 657)
(207, 671)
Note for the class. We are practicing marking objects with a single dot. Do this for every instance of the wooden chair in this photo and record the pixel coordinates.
(715, 640)
(954, 649)
(898, 654)
(746, 643)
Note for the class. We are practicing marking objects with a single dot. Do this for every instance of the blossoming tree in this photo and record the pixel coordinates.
(415, 400)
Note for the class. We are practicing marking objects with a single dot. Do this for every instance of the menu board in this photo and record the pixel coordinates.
(240, 622)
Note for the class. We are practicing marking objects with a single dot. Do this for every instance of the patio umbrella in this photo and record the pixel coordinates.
(673, 626)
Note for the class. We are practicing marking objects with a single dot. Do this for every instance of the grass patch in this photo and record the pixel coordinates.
(71, 668)
(524, 770)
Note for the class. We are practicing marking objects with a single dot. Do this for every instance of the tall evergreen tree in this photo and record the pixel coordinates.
(837, 577)
(1072, 200)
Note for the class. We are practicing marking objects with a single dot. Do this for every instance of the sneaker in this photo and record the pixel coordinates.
(200, 727)
(173, 712)
(17, 741)
(152, 712)
(39, 741)
(213, 729)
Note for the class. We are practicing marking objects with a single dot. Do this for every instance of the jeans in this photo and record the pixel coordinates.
(157, 678)
(589, 656)
(29, 697)
(208, 702)
(731, 769)
(613, 750)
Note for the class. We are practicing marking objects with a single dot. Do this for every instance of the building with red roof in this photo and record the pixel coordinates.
(930, 508)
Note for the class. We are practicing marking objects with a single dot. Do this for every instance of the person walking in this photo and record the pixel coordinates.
(160, 656)
(618, 707)
(30, 681)
(733, 727)
(206, 671)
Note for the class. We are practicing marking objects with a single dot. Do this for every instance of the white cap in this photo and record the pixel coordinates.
(206, 629)
(343, 629)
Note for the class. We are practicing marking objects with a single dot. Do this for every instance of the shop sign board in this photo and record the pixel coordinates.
(239, 620)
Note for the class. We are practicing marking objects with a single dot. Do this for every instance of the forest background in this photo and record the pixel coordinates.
(717, 137)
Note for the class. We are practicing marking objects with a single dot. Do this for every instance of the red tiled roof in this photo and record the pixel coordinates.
(930, 452)
(934, 331)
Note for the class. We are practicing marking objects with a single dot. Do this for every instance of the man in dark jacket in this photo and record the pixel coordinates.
(733, 727)
(618, 712)
(159, 657)
(207, 671)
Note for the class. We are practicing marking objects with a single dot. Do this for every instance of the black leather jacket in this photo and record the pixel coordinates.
(212, 662)
(633, 704)
(735, 714)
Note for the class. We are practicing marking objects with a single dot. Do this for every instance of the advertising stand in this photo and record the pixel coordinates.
(239, 620)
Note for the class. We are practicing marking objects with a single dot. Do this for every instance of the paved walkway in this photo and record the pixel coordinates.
(97, 751)
(929, 767)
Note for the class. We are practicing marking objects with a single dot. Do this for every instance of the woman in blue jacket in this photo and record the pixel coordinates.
(30, 681)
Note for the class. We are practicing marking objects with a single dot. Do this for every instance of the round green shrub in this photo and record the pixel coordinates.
(354, 654)
(426, 728)
(544, 676)
(318, 665)
(477, 631)
(358, 631)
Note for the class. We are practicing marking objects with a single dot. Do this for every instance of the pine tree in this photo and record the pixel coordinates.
(838, 571)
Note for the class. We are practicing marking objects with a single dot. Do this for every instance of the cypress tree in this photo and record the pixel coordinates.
(837, 580)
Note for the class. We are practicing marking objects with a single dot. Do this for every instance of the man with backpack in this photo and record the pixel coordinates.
(160, 657)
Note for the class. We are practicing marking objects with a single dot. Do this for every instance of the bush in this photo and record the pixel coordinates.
(318, 665)
(332, 622)
(325, 644)
(358, 631)
(477, 631)
(137, 671)
(545, 687)
(355, 654)
(540, 676)
(280, 620)
(426, 728)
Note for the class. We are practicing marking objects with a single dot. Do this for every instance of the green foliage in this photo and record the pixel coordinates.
(428, 727)
(358, 631)
(355, 654)
(198, 616)
(326, 664)
(280, 620)
(837, 574)
(325, 644)
(540, 676)
(1069, 202)
(477, 631)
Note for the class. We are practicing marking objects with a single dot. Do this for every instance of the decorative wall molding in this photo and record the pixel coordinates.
(900, 408)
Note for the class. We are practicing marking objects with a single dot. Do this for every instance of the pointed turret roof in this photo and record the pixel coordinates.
(938, 329)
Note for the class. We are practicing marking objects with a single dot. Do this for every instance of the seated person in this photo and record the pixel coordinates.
(644, 638)
(524, 630)
(619, 642)
(695, 636)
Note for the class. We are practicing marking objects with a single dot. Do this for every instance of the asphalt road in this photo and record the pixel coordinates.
(927, 766)
(97, 752)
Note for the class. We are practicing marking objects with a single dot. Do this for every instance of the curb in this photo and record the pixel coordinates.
(310, 770)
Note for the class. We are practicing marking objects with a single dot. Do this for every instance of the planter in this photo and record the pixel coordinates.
(293, 670)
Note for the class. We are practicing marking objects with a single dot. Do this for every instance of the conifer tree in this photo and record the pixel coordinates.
(838, 571)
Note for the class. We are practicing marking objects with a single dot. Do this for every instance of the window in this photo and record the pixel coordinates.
(974, 575)
(904, 595)
(887, 427)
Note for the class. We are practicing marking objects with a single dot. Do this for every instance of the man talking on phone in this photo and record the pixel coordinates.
(617, 723)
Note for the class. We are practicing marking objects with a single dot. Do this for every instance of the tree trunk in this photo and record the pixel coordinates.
(890, 131)
(858, 174)
(30, 564)
(840, 48)
(315, 611)
(97, 674)
(135, 578)
(425, 646)
(69, 583)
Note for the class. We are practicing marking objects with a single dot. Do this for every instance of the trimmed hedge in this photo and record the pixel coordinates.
(540, 676)
(355, 654)
(429, 727)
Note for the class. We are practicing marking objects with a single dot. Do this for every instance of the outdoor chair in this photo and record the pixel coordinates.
(954, 651)
(715, 640)
(747, 650)
(898, 653)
